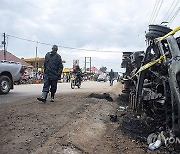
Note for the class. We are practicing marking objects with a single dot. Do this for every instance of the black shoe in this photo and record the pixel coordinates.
(43, 97)
(52, 99)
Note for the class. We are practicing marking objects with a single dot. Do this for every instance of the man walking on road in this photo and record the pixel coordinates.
(111, 77)
(52, 72)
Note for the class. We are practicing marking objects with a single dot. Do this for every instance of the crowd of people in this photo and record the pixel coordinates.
(37, 77)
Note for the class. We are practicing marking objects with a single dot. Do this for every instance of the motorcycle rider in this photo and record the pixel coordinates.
(52, 72)
(77, 71)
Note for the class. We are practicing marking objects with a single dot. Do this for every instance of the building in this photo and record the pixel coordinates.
(37, 63)
(94, 70)
(11, 57)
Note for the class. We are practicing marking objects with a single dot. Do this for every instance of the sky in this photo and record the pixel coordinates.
(106, 28)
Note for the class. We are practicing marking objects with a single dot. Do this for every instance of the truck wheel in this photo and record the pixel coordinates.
(156, 31)
(5, 84)
(160, 28)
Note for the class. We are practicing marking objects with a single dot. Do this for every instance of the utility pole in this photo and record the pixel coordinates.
(36, 65)
(4, 45)
(88, 62)
(85, 64)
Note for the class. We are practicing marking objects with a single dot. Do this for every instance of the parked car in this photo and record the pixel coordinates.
(9, 73)
(102, 78)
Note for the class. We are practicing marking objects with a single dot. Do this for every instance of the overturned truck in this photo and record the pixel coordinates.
(152, 78)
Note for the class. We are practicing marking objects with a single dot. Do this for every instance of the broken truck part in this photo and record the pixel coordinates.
(152, 78)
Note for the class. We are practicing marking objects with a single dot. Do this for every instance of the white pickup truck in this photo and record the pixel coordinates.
(9, 73)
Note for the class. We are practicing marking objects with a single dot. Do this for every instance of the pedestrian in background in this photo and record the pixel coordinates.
(111, 77)
(52, 72)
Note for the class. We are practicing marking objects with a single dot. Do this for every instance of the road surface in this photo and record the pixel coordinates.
(33, 90)
(74, 124)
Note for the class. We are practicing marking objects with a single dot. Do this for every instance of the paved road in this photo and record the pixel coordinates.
(27, 91)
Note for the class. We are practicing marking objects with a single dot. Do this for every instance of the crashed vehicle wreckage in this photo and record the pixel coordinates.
(152, 78)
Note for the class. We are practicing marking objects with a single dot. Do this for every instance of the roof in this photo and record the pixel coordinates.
(94, 68)
(11, 57)
(38, 59)
(33, 59)
(67, 70)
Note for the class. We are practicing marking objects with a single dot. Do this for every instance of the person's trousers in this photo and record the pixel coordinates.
(50, 85)
(111, 82)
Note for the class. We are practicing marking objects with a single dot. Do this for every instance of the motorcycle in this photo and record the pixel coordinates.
(75, 81)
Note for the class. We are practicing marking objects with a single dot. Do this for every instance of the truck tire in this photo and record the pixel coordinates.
(160, 28)
(5, 84)
(156, 31)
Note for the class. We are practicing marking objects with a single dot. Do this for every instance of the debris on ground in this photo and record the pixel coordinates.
(138, 129)
(155, 145)
(105, 96)
(113, 118)
(122, 108)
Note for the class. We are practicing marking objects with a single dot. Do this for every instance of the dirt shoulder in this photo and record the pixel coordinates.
(74, 123)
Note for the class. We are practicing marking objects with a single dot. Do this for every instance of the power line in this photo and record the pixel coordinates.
(172, 10)
(158, 9)
(168, 11)
(176, 13)
(71, 48)
(20, 38)
(151, 17)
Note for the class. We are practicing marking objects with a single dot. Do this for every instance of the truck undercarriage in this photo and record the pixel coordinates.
(152, 79)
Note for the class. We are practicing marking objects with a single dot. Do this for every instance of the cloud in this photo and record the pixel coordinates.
(118, 25)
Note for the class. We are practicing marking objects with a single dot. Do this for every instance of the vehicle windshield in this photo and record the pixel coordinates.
(102, 76)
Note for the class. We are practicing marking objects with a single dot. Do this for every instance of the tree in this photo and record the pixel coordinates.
(103, 69)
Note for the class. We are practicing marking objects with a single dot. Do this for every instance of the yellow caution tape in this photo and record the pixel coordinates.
(148, 65)
(170, 33)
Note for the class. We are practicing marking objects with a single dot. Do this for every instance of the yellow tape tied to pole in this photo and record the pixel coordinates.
(148, 65)
(168, 34)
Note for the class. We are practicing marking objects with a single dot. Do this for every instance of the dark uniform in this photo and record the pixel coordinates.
(111, 77)
(52, 72)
